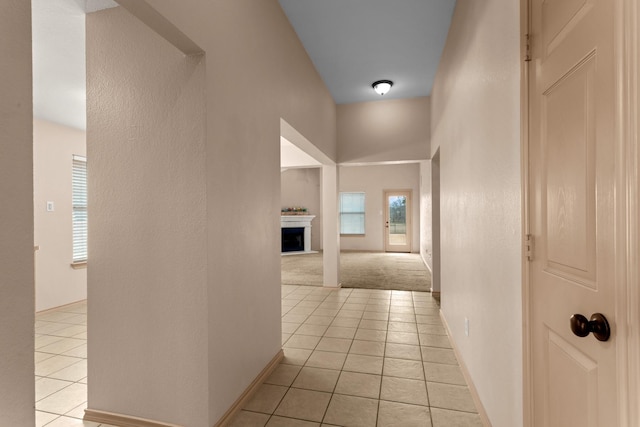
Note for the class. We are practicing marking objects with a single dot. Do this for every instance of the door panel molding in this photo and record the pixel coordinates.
(564, 12)
(564, 359)
(626, 206)
(574, 211)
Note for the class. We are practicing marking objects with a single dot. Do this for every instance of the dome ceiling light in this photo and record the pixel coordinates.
(382, 86)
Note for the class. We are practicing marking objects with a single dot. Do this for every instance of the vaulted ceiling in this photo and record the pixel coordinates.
(351, 43)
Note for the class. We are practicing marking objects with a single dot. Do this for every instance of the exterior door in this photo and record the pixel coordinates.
(572, 167)
(397, 221)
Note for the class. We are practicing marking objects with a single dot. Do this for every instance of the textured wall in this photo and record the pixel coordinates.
(475, 123)
(53, 148)
(16, 217)
(373, 180)
(384, 130)
(246, 43)
(301, 187)
(147, 214)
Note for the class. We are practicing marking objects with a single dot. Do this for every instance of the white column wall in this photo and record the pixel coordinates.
(17, 393)
(147, 268)
(330, 227)
(475, 124)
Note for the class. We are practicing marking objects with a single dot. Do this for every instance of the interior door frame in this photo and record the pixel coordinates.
(409, 214)
(627, 48)
(627, 208)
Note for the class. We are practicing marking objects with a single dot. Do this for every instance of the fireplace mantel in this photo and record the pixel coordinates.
(289, 221)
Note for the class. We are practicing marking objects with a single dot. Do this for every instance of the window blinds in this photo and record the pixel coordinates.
(351, 213)
(79, 201)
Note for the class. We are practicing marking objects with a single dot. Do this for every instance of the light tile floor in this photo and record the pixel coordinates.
(353, 357)
(358, 357)
(61, 367)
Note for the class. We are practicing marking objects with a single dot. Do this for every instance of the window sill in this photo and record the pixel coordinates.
(352, 235)
(79, 265)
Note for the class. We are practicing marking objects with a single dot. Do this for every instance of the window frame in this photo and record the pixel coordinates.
(362, 213)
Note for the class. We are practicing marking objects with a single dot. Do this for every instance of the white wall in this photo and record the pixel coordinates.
(378, 131)
(53, 147)
(475, 123)
(426, 233)
(17, 393)
(373, 180)
(301, 188)
(211, 206)
(147, 270)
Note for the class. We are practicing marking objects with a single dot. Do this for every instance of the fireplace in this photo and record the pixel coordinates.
(296, 233)
(293, 239)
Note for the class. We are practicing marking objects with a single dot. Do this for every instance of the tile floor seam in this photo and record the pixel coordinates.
(425, 380)
(324, 414)
(384, 355)
(52, 393)
(382, 373)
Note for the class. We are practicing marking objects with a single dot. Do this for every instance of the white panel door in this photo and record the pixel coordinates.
(572, 88)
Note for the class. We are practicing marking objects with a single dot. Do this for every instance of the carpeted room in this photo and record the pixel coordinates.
(363, 262)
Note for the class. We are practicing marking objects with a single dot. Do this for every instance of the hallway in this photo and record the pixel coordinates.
(359, 357)
(353, 357)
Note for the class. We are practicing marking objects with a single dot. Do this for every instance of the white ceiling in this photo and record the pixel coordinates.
(59, 92)
(353, 43)
(59, 72)
(293, 157)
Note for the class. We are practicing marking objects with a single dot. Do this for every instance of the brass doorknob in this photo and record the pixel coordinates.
(597, 324)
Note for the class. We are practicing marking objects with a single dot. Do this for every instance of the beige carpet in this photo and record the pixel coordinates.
(370, 270)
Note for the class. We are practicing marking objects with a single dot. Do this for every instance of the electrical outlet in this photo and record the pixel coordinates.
(466, 326)
(50, 207)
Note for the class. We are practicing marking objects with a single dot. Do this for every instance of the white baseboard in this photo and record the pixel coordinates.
(121, 420)
(249, 392)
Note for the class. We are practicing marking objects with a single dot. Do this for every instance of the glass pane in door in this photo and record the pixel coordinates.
(397, 220)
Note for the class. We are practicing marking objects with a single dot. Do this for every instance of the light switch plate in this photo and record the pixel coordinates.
(50, 207)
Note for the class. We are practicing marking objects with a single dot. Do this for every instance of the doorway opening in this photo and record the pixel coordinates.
(309, 192)
(59, 146)
(435, 223)
(397, 221)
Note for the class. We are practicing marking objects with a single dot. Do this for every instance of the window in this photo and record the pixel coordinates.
(79, 201)
(352, 213)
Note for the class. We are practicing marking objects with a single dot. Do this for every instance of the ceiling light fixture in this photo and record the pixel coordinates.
(382, 86)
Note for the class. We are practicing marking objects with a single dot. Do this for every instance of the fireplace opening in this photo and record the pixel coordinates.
(292, 239)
